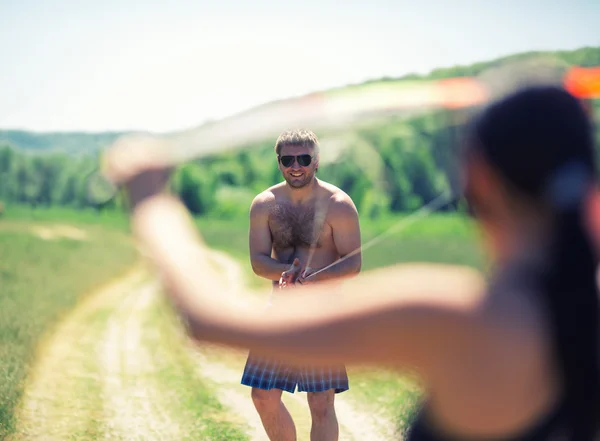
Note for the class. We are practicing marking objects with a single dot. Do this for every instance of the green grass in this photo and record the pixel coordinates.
(436, 238)
(40, 281)
(80, 217)
(387, 393)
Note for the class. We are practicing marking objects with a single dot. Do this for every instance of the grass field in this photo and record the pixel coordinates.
(44, 279)
(84, 217)
(40, 281)
(436, 238)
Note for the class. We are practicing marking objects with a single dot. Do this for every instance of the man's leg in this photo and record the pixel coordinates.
(324, 420)
(268, 378)
(322, 384)
(275, 417)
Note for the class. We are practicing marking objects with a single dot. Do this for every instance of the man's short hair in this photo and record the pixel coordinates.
(297, 137)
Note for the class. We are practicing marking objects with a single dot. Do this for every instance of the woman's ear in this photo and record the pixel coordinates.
(482, 185)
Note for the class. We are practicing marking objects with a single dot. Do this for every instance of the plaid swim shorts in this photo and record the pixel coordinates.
(269, 373)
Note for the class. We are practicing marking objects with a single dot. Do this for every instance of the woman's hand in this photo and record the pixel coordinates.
(139, 163)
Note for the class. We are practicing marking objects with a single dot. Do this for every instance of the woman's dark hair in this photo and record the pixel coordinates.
(540, 141)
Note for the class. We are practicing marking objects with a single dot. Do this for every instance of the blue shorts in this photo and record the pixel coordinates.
(269, 373)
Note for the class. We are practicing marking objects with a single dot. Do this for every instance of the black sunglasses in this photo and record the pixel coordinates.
(288, 161)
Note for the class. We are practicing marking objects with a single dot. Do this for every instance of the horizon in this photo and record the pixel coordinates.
(169, 68)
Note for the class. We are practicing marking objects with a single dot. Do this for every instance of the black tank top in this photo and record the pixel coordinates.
(520, 275)
(551, 427)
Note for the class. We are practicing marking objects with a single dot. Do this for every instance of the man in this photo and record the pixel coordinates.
(309, 224)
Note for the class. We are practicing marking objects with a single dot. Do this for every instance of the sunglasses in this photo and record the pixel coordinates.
(288, 161)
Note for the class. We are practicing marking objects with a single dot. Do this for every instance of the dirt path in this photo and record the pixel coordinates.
(133, 405)
(99, 375)
(63, 392)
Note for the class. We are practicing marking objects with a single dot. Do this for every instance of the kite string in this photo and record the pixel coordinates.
(425, 210)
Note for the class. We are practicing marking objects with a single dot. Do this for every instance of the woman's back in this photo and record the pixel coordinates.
(504, 380)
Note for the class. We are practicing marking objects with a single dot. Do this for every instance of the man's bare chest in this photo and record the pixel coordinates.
(295, 226)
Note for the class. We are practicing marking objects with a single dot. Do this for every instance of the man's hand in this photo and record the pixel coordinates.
(305, 276)
(288, 278)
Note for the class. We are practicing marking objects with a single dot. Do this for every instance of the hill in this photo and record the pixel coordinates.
(89, 142)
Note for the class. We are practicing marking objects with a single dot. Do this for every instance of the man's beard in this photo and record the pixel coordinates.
(294, 183)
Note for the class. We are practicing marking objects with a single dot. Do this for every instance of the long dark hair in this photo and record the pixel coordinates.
(540, 141)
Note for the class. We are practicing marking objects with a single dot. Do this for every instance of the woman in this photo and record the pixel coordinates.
(512, 359)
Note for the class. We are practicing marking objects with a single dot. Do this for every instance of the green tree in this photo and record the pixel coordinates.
(196, 186)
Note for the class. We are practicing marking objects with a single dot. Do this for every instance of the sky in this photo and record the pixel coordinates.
(82, 65)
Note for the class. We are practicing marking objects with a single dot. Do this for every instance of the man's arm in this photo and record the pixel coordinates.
(346, 236)
(261, 242)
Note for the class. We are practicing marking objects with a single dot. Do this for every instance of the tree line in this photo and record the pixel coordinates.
(392, 165)
(389, 165)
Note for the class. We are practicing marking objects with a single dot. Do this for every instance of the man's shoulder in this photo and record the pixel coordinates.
(266, 198)
(338, 198)
(263, 200)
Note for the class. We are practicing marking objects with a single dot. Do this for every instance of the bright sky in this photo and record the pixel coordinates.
(167, 65)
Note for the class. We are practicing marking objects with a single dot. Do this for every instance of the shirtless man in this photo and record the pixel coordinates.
(309, 224)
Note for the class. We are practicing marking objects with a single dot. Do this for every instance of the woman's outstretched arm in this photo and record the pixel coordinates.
(410, 315)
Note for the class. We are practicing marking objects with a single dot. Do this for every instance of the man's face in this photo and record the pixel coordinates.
(298, 165)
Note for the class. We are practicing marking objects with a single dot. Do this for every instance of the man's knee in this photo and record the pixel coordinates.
(266, 400)
(321, 404)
